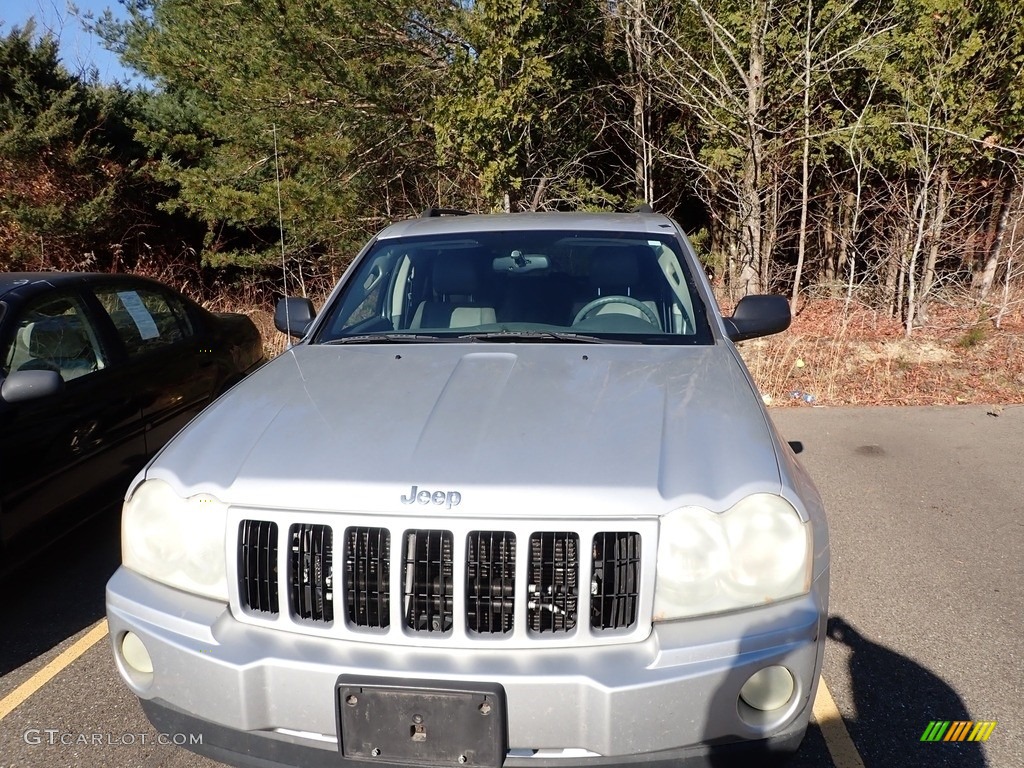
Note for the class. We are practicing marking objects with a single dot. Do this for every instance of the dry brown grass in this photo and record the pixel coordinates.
(864, 358)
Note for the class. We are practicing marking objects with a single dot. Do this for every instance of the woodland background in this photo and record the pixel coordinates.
(866, 152)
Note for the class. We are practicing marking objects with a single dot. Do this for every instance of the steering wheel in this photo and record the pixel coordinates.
(591, 307)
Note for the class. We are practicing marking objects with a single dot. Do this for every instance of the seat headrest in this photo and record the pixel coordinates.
(56, 339)
(456, 274)
(618, 268)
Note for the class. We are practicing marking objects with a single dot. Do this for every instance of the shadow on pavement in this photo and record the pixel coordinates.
(896, 699)
(60, 591)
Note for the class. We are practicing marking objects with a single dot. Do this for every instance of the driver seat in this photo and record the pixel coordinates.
(620, 272)
(456, 288)
(58, 344)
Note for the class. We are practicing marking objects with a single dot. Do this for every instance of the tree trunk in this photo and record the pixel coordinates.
(920, 211)
(805, 170)
(891, 276)
(769, 231)
(995, 212)
(988, 275)
(933, 248)
(847, 222)
(734, 260)
(847, 245)
(638, 56)
(828, 238)
(750, 204)
(1013, 245)
(894, 274)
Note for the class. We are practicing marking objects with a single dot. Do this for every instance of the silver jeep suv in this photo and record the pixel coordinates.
(512, 500)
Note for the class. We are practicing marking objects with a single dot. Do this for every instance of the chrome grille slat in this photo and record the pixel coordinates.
(367, 576)
(554, 581)
(490, 581)
(428, 575)
(615, 585)
(257, 565)
(311, 572)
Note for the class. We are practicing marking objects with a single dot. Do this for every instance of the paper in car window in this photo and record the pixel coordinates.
(143, 320)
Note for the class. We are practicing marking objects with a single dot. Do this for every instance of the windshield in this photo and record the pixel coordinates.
(543, 286)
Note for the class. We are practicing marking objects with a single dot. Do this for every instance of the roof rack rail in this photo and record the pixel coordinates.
(430, 213)
(643, 208)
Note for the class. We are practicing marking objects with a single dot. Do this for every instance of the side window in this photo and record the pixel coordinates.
(401, 293)
(54, 334)
(145, 319)
(364, 304)
(373, 287)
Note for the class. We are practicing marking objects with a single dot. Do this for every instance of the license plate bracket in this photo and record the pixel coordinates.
(421, 723)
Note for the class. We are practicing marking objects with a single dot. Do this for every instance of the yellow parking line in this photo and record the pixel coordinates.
(837, 738)
(10, 702)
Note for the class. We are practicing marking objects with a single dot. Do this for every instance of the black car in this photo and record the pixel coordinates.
(97, 372)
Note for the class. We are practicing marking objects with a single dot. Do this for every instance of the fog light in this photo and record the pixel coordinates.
(768, 689)
(135, 654)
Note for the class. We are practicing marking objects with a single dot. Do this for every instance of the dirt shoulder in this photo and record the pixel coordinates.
(832, 358)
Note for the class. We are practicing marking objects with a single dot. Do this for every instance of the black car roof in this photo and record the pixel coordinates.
(11, 280)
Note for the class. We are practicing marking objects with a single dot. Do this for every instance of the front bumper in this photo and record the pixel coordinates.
(262, 697)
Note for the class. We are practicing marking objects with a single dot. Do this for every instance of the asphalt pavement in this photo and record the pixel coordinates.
(926, 513)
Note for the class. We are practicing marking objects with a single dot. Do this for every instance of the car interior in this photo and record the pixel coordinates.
(588, 285)
(54, 338)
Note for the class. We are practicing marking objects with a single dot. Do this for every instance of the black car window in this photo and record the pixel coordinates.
(54, 333)
(145, 318)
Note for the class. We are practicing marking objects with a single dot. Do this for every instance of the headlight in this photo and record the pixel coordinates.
(757, 552)
(176, 541)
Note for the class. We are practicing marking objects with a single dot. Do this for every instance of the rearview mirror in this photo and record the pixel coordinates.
(520, 262)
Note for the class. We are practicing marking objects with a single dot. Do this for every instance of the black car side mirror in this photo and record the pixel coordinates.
(758, 316)
(30, 385)
(294, 315)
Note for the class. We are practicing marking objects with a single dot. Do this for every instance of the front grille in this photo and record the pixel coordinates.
(513, 586)
(257, 565)
(490, 581)
(427, 597)
(310, 577)
(368, 576)
(615, 588)
(554, 582)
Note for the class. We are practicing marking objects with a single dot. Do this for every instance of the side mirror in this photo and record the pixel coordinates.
(21, 386)
(293, 315)
(758, 316)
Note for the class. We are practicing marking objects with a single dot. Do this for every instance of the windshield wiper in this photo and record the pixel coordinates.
(385, 338)
(573, 338)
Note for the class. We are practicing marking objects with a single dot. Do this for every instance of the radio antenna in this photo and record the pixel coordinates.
(280, 227)
(280, 214)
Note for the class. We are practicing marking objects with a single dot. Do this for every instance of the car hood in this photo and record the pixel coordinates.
(510, 429)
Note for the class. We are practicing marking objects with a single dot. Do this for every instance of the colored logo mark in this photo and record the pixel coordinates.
(958, 730)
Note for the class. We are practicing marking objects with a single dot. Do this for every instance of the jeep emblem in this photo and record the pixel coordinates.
(446, 499)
